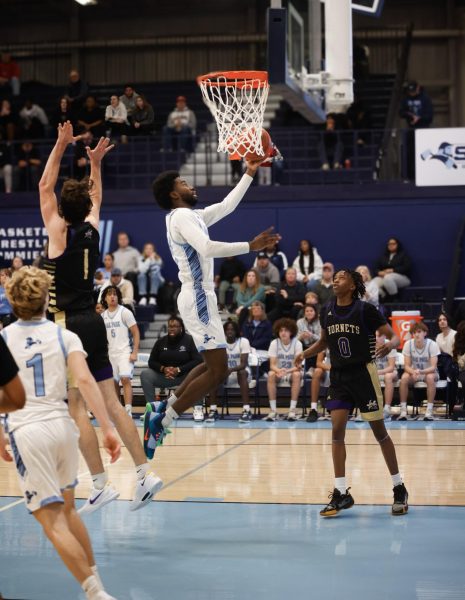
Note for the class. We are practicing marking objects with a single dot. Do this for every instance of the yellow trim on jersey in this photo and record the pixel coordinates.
(86, 263)
(375, 415)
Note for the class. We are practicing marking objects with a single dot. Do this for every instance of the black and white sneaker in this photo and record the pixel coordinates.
(312, 416)
(400, 504)
(291, 416)
(246, 417)
(337, 502)
(212, 416)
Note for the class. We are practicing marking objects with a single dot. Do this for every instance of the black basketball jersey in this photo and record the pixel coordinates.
(73, 271)
(350, 331)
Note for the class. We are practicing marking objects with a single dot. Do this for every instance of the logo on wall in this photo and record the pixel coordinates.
(440, 156)
(447, 153)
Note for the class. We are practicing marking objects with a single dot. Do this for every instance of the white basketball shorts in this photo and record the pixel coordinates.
(122, 366)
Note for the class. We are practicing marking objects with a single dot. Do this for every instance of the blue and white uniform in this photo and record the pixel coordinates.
(119, 337)
(285, 355)
(421, 356)
(382, 363)
(43, 436)
(193, 252)
(235, 351)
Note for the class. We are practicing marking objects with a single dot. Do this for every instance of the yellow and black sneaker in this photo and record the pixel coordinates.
(337, 502)
(400, 504)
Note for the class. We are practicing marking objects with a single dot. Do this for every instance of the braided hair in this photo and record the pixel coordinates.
(357, 279)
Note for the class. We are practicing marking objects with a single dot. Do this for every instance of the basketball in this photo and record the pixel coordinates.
(266, 145)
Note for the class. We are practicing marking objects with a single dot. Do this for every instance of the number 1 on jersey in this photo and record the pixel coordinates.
(37, 365)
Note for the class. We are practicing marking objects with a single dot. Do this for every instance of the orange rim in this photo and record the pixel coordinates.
(235, 78)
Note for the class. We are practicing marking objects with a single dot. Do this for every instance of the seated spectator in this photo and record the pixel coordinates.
(458, 353)
(276, 257)
(91, 118)
(330, 148)
(6, 312)
(34, 121)
(149, 271)
(258, 329)
(99, 280)
(310, 299)
(324, 288)
(269, 277)
(6, 166)
(420, 364)
(9, 74)
(124, 286)
(371, 289)
(282, 353)
(250, 291)
(107, 266)
(290, 297)
(171, 359)
(232, 271)
(308, 265)
(387, 373)
(393, 270)
(116, 119)
(9, 121)
(180, 128)
(76, 92)
(308, 327)
(126, 258)
(29, 166)
(16, 264)
(446, 336)
(61, 114)
(142, 118)
(128, 98)
(123, 342)
(320, 377)
(359, 119)
(81, 159)
(238, 350)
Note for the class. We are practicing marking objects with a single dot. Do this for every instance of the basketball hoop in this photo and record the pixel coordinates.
(237, 101)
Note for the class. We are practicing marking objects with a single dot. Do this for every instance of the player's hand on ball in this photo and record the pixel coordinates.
(264, 239)
(112, 445)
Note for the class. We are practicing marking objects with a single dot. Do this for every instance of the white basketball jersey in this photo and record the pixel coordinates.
(40, 349)
(118, 334)
(382, 361)
(285, 353)
(421, 356)
(234, 351)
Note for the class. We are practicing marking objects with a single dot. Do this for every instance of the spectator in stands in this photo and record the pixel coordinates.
(126, 258)
(107, 266)
(149, 271)
(276, 257)
(6, 312)
(81, 159)
(124, 286)
(76, 92)
(61, 114)
(238, 350)
(446, 336)
(29, 166)
(91, 117)
(34, 121)
(371, 289)
(458, 352)
(232, 271)
(359, 119)
(387, 372)
(116, 119)
(9, 74)
(290, 297)
(250, 291)
(171, 359)
(6, 166)
(9, 121)
(16, 264)
(180, 127)
(308, 265)
(308, 327)
(324, 288)
(128, 98)
(392, 268)
(420, 364)
(320, 377)
(258, 329)
(282, 353)
(143, 118)
(99, 280)
(267, 272)
(330, 148)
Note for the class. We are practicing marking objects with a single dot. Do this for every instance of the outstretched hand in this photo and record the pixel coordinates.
(252, 165)
(66, 134)
(101, 149)
(264, 239)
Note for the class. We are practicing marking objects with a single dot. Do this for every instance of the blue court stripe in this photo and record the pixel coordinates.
(200, 499)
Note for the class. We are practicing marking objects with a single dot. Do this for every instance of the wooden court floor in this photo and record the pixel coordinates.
(289, 465)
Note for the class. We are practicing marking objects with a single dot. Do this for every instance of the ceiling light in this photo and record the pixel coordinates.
(86, 2)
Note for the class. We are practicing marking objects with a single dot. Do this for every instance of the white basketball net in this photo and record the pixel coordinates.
(237, 104)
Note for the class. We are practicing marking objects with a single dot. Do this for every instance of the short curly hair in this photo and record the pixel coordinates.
(27, 292)
(286, 323)
(75, 203)
(106, 291)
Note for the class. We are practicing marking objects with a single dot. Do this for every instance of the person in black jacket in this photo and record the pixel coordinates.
(393, 270)
(172, 358)
(290, 297)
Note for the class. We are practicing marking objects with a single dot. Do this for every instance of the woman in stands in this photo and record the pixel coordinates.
(149, 271)
(308, 264)
(393, 270)
(142, 119)
(371, 289)
(61, 114)
(251, 291)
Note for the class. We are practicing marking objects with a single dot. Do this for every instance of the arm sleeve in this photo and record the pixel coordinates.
(214, 213)
(185, 224)
(8, 367)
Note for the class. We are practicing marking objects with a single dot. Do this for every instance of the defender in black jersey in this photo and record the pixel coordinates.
(348, 329)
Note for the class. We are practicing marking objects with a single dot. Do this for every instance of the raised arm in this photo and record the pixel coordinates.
(95, 157)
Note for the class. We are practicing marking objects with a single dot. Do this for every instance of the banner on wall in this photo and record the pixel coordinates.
(440, 156)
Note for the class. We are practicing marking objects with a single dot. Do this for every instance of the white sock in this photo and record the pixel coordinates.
(246, 407)
(99, 480)
(91, 587)
(169, 417)
(273, 405)
(403, 407)
(429, 407)
(396, 479)
(97, 576)
(340, 484)
(314, 406)
(213, 407)
(293, 405)
(142, 470)
(172, 399)
(387, 409)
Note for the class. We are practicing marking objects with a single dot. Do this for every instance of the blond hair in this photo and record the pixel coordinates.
(27, 292)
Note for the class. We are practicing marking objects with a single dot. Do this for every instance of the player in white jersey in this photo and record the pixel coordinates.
(238, 350)
(194, 251)
(43, 436)
(387, 372)
(420, 364)
(123, 341)
(282, 352)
